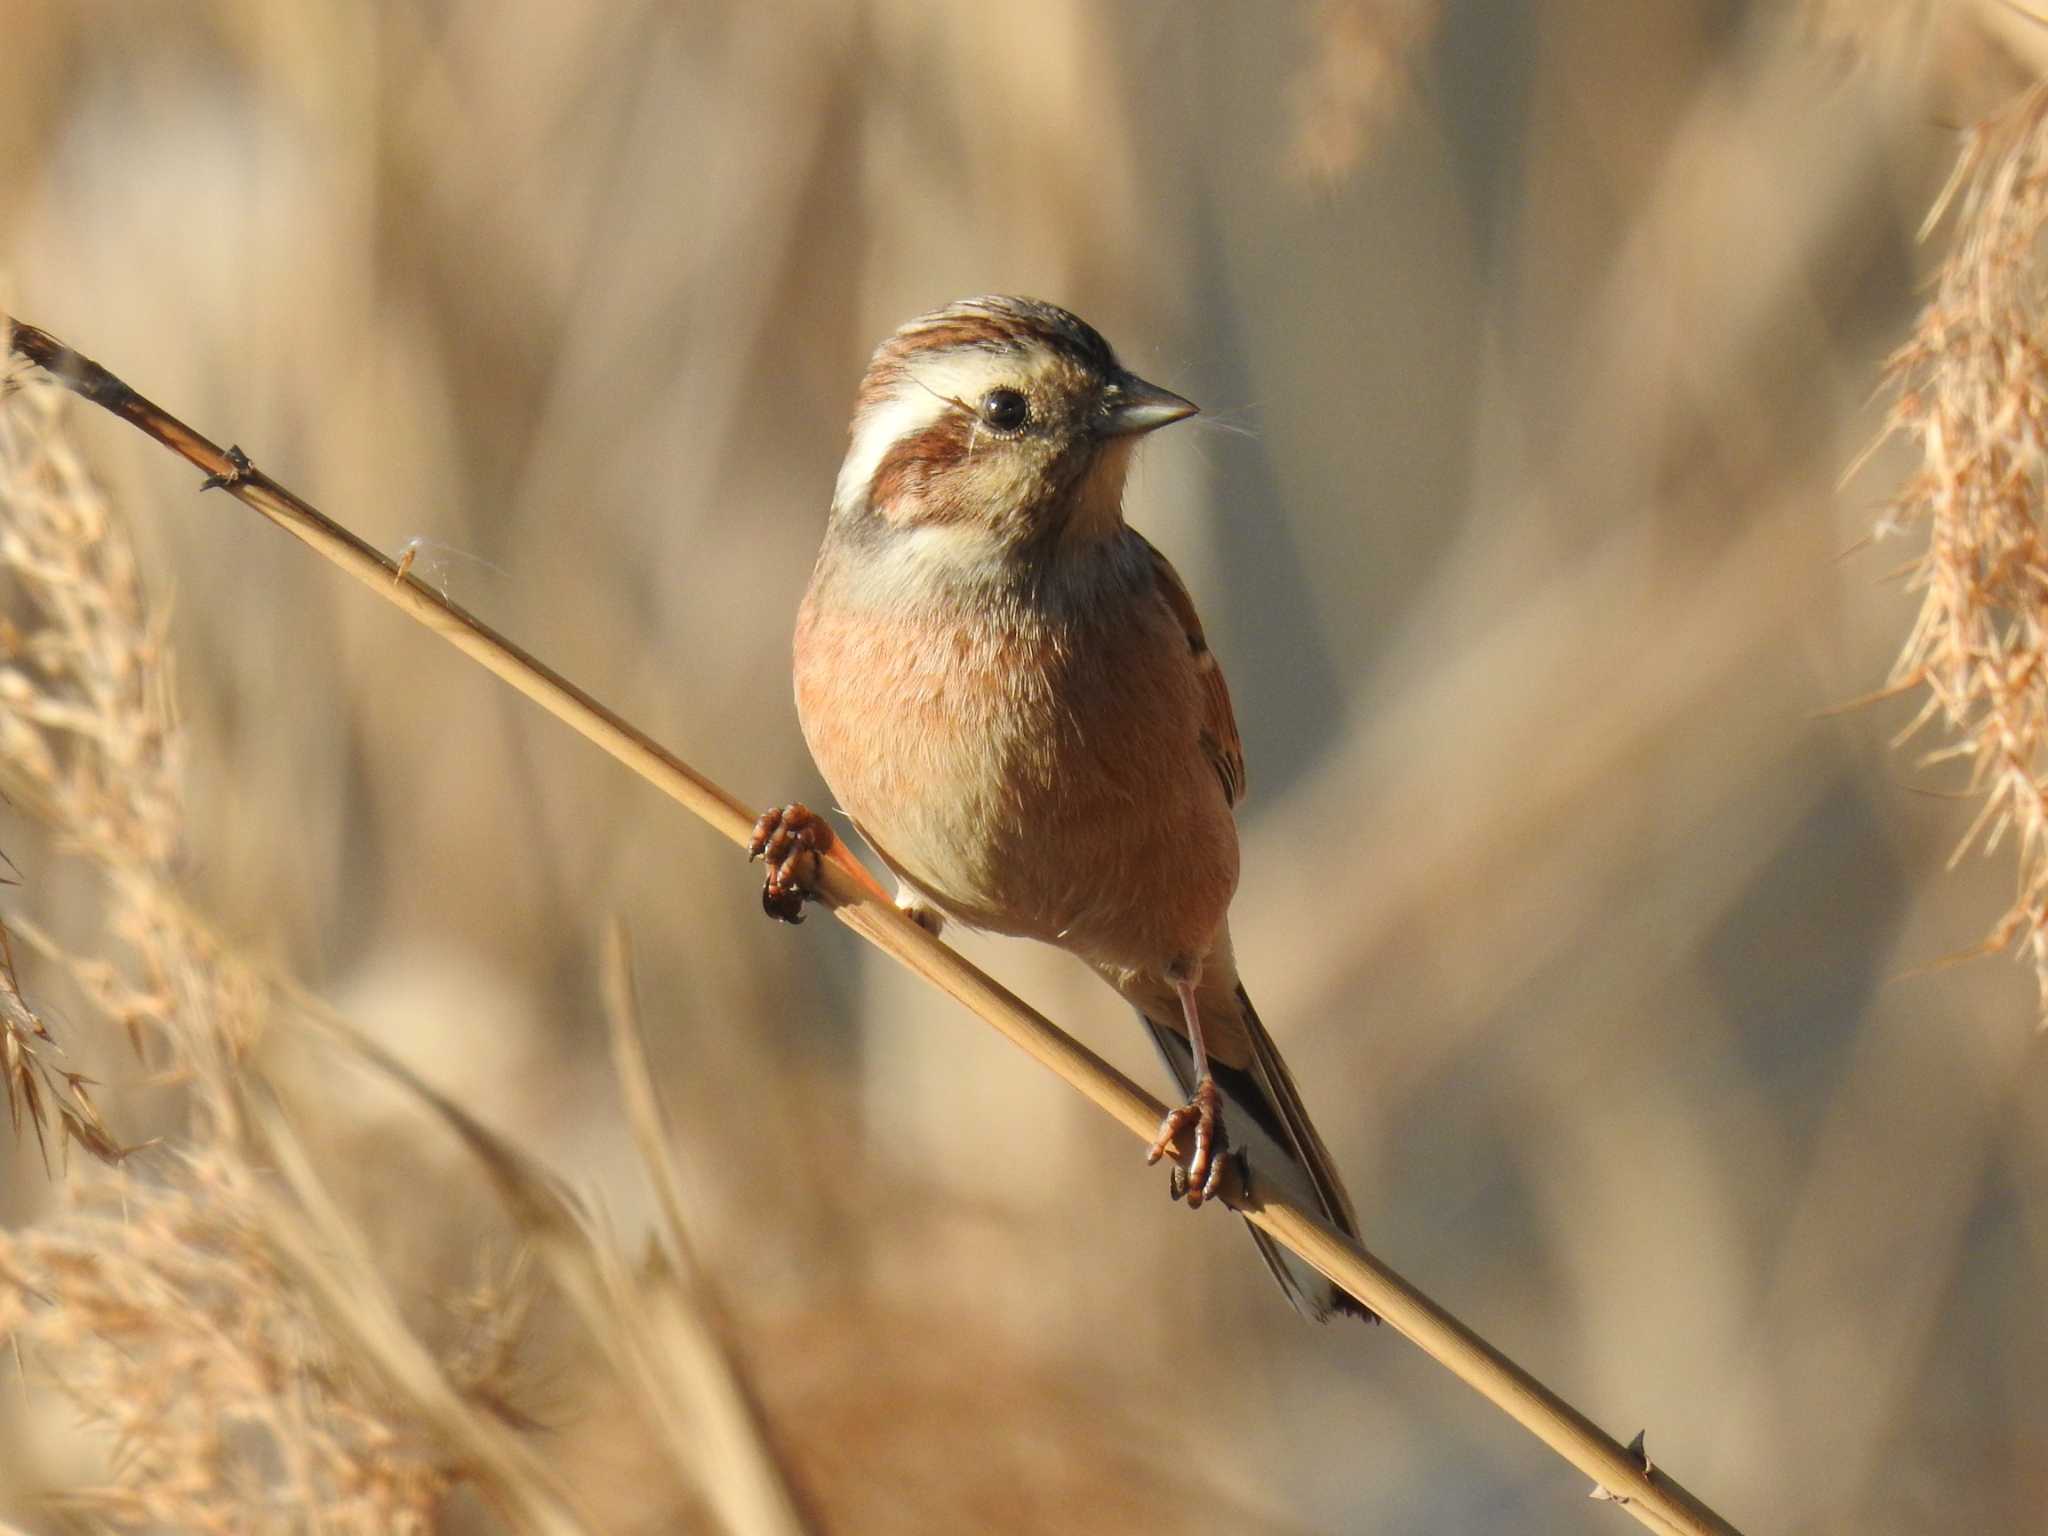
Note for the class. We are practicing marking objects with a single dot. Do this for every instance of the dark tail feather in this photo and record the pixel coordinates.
(1264, 1118)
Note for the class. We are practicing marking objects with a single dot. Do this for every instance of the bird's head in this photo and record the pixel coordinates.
(996, 424)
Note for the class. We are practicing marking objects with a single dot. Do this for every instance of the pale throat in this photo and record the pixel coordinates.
(1098, 509)
(907, 566)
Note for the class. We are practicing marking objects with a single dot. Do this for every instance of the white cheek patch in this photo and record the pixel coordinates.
(878, 429)
(933, 386)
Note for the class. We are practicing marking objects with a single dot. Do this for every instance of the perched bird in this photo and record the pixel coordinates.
(1007, 689)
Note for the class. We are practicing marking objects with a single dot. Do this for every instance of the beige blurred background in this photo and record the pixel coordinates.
(1533, 342)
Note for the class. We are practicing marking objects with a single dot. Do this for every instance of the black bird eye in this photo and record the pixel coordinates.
(1005, 409)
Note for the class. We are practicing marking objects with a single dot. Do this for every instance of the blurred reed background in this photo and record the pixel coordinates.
(1533, 343)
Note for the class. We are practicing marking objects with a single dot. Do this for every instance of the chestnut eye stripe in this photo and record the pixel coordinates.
(916, 455)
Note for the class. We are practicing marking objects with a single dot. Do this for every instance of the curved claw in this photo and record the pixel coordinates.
(788, 839)
(1210, 1149)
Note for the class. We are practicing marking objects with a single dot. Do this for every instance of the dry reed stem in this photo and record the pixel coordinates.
(662, 1330)
(757, 1492)
(1652, 1497)
(328, 1261)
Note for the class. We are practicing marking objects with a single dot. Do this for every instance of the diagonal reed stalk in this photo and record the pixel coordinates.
(1620, 1473)
(666, 1334)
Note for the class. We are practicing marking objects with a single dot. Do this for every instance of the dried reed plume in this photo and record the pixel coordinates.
(236, 1359)
(152, 1297)
(82, 732)
(1973, 397)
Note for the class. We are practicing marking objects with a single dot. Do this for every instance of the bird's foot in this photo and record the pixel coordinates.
(788, 839)
(1210, 1149)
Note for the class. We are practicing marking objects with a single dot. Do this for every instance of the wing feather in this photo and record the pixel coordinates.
(1219, 734)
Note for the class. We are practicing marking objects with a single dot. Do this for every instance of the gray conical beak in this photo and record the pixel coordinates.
(1134, 406)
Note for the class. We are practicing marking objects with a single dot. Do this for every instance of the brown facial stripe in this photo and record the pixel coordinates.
(914, 458)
